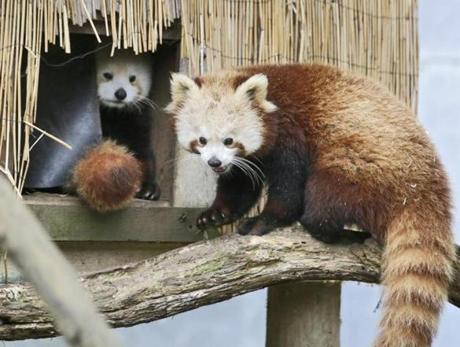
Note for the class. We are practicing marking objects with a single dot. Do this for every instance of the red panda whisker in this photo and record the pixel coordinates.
(260, 177)
(253, 165)
(134, 105)
(244, 169)
(254, 174)
(142, 102)
(257, 158)
(249, 172)
(148, 102)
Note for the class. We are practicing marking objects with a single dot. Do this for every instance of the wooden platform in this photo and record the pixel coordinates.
(67, 219)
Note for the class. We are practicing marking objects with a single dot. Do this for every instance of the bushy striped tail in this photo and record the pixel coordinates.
(417, 268)
(107, 177)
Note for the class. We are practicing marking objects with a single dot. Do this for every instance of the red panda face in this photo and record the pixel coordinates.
(218, 122)
(123, 80)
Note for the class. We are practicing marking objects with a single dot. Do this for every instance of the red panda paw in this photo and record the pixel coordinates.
(149, 191)
(213, 217)
(108, 177)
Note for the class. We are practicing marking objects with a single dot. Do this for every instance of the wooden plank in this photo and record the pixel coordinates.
(172, 33)
(67, 219)
(303, 314)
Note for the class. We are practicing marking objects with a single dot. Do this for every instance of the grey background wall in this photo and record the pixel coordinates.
(240, 322)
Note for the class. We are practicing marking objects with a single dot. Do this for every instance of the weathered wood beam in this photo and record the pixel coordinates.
(40, 261)
(67, 219)
(200, 274)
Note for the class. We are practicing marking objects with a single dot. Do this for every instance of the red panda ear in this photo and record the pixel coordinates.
(181, 87)
(255, 89)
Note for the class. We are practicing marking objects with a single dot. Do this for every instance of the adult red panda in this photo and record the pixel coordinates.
(334, 149)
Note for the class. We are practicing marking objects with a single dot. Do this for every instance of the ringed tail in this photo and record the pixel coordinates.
(107, 177)
(417, 269)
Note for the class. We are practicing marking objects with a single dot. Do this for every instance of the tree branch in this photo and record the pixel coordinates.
(200, 274)
(40, 261)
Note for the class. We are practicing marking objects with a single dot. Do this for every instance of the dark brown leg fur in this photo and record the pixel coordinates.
(150, 190)
(286, 173)
(235, 195)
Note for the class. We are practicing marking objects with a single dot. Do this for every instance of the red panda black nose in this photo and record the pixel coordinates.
(120, 94)
(214, 162)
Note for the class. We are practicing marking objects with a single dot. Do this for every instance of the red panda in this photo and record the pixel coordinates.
(123, 85)
(334, 149)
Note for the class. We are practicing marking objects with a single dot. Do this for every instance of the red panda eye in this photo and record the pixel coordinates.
(107, 75)
(132, 78)
(228, 141)
(202, 140)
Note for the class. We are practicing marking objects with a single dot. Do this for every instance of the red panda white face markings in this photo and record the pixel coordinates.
(124, 79)
(223, 118)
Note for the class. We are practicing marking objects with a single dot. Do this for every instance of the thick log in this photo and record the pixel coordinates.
(200, 274)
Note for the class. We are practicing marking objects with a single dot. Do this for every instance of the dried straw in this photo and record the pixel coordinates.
(377, 38)
(27, 27)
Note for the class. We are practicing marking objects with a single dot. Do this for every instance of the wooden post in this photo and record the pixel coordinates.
(303, 314)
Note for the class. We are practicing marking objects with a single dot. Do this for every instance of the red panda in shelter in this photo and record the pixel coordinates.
(110, 175)
(333, 149)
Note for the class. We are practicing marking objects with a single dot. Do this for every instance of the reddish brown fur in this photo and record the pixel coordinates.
(198, 81)
(241, 148)
(108, 177)
(194, 145)
(370, 163)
